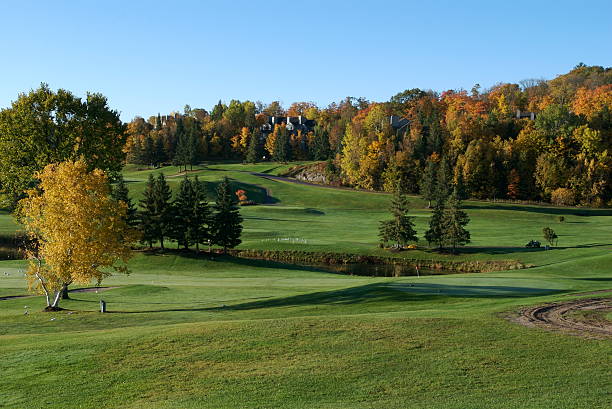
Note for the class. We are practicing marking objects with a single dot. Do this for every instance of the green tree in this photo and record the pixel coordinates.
(282, 146)
(43, 127)
(227, 219)
(453, 223)
(550, 235)
(254, 149)
(428, 182)
(155, 216)
(121, 193)
(320, 144)
(182, 214)
(400, 228)
(202, 220)
(435, 233)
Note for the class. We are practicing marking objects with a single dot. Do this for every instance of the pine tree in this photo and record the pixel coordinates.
(158, 122)
(148, 213)
(454, 222)
(148, 151)
(182, 214)
(254, 148)
(202, 222)
(120, 192)
(460, 187)
(193, 146)
(163, 204)
(428, 183)
(401, 227)
(443, 180)
(320, 144)
(181, 152)
(227, 219)
(282, 146)
(160, 152)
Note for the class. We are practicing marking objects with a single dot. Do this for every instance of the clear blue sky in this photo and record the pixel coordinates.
(150, 57)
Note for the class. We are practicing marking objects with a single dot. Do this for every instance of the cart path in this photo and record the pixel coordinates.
(561, 316)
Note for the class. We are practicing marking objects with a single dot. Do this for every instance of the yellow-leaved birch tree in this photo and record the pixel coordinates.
(77, 231)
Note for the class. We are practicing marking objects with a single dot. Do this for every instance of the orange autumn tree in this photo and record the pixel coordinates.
(77, 230)
(242, 197)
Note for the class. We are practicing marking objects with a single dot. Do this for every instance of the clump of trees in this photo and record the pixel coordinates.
(188, 219)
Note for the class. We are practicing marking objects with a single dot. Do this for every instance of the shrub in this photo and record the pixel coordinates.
(563, 197)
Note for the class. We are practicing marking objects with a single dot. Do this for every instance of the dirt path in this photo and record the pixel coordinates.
(566, 317)
(75, 290)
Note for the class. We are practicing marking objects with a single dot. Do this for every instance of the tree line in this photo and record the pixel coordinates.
(535, 140)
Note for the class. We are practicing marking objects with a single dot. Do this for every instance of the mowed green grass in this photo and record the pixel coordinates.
(195, 332)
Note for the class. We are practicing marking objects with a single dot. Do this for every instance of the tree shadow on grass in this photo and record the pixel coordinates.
(376, 293)
(542, 210)
(522, 249)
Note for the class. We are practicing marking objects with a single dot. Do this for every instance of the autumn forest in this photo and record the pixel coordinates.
(535, 140)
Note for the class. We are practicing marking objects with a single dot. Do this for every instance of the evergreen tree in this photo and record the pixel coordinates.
(443, 180)
(193, 145)
(120, 193)
(428, 182)
(202, 222)
(454, 222)
(135, 155)
(460, 187)
(320, 144)
(155, 216)
(148, 151)
(163, 205)
(158, 122)
(254, 148)
(182, 214)
(160, 152)
(148, 213)
(181, 153)
(282, 146)
(435, 233)
(401, 227)
(227, 219)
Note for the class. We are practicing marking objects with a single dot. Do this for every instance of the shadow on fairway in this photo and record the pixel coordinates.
(544, 210)
(377, 293)
(511, 250)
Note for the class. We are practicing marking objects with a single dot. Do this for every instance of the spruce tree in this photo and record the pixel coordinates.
(181, 152)
(148, 213)
(227, 219)
(254, 148)
(135, 154)
(158, 122)
(163, 204)
(401, 227)
(120, 193)
(320, 144)
(435, 233)
(193, 146)
(202, 222)
(148, 151)
(282, 146)
(182, 214)
(443, 180)
(427, 185)
(454, 222)
(160, 152)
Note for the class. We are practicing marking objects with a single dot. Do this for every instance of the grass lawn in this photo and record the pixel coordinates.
(188, 332)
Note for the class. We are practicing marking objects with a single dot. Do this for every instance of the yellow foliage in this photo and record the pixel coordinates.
(80, 230)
